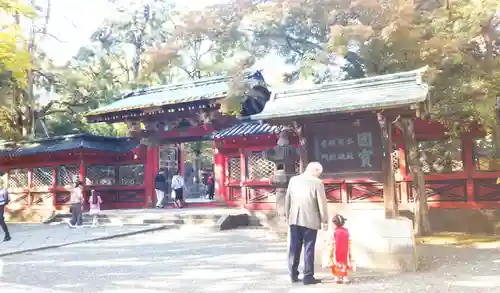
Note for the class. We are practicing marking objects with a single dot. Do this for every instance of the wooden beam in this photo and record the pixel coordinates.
(389, 181)
(299, 131)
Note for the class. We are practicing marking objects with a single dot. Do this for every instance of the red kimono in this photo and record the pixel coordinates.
(340, 252)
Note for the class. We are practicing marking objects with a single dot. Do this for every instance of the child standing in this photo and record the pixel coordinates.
(95, 202)
(340, 253)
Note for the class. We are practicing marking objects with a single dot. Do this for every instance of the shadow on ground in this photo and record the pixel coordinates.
(232, 261)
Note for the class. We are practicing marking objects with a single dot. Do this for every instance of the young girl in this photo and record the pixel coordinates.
(340, 253)
(95, 202)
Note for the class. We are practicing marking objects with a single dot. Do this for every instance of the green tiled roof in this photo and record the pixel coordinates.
(206, 89)
(67, 143)
(384, 91)
(203, 89)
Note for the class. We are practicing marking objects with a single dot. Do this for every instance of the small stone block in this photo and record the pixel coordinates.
(227, 222)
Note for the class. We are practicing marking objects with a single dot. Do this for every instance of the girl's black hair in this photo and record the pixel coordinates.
(339, 220)
(95, 196)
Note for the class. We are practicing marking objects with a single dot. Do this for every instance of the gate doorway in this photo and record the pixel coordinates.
(195, 162)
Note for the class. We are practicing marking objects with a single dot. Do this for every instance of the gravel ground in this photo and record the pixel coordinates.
(246, 261)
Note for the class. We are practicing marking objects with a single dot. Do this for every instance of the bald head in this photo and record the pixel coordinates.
(314, 168)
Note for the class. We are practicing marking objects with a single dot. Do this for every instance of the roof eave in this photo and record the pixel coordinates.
(301, 113)
(96, 113)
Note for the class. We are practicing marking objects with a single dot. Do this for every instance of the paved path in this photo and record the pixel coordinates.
(244, 260)
(26, 237)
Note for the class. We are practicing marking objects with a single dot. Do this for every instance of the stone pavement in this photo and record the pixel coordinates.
(243, 260)
(31, 237)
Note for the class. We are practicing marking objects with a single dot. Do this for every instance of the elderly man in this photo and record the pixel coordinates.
(305, 213)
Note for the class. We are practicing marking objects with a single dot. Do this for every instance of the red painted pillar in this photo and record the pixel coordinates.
(243, 165)
(181, 159)
(344, 195)
(468, 151)
(82, 176)
(151, 169)
(226, 178)
(219, 173)
(147, 176)
(82, 171)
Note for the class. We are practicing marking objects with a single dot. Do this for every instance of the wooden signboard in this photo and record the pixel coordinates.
(348, 149)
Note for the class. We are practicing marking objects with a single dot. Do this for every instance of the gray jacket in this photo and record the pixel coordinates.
(305, 202)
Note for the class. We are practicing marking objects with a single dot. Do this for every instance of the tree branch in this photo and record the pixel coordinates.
(48, 109)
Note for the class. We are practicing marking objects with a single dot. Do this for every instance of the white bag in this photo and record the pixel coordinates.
(172, 194)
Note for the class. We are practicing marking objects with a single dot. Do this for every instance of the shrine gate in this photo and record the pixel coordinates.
(460, 173)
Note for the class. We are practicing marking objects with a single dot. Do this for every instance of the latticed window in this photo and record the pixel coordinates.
(234, 165)
(395, 160)
(18, 178)
(258, 167)
(101, 175)
(42, 177)
(441, 156)
(261, 195)
(67, 175)
(131, 174)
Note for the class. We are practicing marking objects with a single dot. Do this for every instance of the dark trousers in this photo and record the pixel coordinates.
(211, 191)
(2, 220)
(302, 236)
(76, 214)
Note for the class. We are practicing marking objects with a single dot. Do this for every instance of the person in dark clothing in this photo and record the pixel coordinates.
(211, 187)
(160, 188)
(4, 200)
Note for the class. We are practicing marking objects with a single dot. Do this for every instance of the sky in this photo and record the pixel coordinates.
(73, 21)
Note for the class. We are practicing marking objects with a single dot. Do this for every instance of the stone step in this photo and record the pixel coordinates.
(220, 217)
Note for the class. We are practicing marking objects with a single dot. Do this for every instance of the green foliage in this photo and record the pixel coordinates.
(204, 148)
(156, 43)
(458, 41)
(14, 56)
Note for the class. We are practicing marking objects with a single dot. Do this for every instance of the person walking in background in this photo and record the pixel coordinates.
(305, 213)
(95, 202)
(160, 188)
(340, 253)
(76, 201)
(211, 186)
(4, 201)
(178, 188)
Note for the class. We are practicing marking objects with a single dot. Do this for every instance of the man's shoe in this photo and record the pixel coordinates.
(294, 279)
(7, 238)
(311, 281)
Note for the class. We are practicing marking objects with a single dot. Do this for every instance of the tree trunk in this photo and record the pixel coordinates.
(421, 213)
